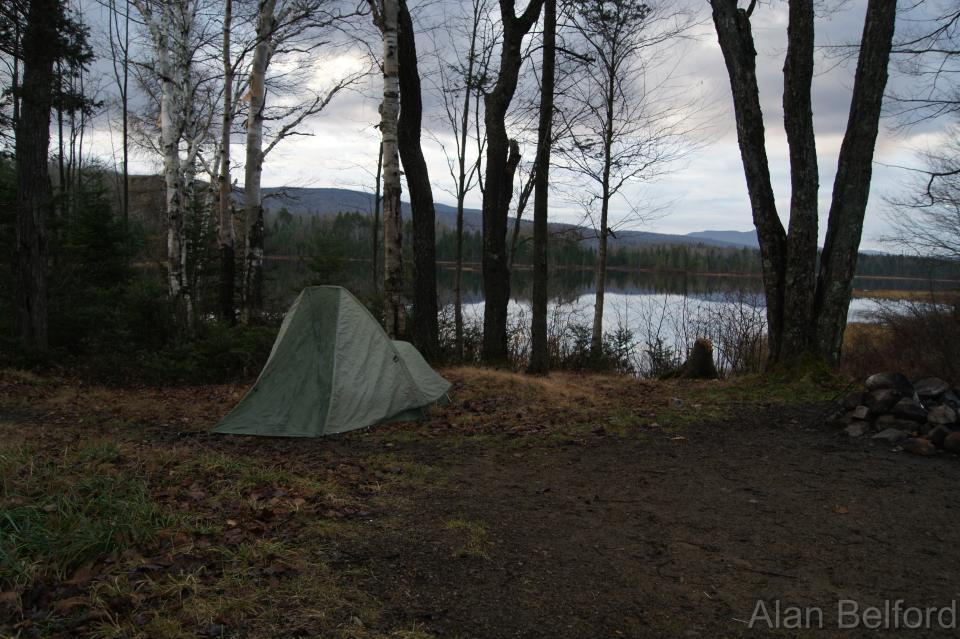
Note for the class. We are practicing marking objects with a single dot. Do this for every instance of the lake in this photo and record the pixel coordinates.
(651, 318)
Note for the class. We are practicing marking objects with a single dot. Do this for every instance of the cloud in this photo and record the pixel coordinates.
(708, 191)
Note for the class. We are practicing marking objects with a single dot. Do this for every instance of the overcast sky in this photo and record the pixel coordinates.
(706, 191)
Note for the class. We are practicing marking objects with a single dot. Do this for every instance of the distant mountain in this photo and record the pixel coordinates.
(740, 238)
(324, 201)
(329, 201)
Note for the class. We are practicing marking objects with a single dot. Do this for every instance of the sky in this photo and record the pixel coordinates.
(706, 190)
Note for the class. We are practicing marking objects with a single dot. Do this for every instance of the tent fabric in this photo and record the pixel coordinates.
(333, 369)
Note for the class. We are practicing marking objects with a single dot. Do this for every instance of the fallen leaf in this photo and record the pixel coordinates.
(841, 510)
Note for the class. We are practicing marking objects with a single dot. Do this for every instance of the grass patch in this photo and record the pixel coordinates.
(473, 538)
(75, 523)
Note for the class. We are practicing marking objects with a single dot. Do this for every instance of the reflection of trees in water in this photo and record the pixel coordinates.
(286, 278)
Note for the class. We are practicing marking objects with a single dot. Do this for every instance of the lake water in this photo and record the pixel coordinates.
(660, 313)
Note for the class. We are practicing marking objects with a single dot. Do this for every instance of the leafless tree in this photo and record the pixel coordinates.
(284, 28)
(621, 117)
(461, 89)
(806, 304)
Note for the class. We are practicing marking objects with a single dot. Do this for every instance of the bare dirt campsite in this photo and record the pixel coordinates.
(574, 506)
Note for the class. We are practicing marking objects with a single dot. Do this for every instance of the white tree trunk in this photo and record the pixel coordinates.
(170, 32)
(392, 221)
(253, 205)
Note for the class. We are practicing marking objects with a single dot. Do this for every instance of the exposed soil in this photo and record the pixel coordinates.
(548, 518)
(661, 537)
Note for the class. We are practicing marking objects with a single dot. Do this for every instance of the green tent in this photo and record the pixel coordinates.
(333, 369)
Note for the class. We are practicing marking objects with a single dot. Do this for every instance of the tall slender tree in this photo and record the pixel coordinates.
(503, 155)
(539, 349)
(226, 234)
(386, 17)
(424, 329)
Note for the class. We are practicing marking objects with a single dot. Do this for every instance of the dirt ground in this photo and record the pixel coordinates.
(574, 507)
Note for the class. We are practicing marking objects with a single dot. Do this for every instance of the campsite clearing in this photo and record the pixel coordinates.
(567, 507)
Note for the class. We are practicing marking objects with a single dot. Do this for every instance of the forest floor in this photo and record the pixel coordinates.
(568, 507)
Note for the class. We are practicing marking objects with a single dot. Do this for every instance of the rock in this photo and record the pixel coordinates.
(952, 443)
(939, 433)
(882, 400)
(852, 400)
(860, 412)
(951, 398)
(856, 429)
(906, 408)
(890, 421)
(930, 387)
(891, 435)
(896, 381)
(919, 446)
(942, 415)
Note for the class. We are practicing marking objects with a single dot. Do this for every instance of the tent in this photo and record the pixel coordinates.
(333, 369)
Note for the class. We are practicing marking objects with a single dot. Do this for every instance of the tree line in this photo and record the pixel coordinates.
(571, 80)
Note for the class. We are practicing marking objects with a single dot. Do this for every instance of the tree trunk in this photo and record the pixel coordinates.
(610, 97)
(375, 227)
(806, 316)
(226, 236)
(424, 331)
(169, 141)
(253, 202)
(596, 335)
(739, 54)
(462, 188)
(801, 258)
(498, 183)
(539, 348)
(392, 221)
(124, 104)
(525, 192)
(39, 47)
(851, 187)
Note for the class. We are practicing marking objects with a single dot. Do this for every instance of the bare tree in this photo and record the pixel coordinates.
(927, 218)
(461, 87)
(621, 119)
(424, 329)
(927, 50)
(119, 38)
(539, 350)
(178, 37)
(503, 155)
(806, 317)
(283, 27)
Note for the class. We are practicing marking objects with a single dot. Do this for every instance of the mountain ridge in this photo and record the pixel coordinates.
(325, 201)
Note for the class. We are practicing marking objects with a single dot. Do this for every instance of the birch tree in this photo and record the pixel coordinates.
(386, 16)
(176, 36)
(226, 234)
(297, 28)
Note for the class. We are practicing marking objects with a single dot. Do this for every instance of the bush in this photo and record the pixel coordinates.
(916, 337)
